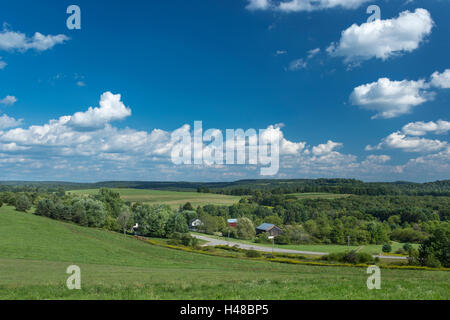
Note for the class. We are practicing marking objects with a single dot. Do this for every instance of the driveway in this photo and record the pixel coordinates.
(216, 242)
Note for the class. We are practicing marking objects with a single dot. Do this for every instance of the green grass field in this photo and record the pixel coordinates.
(328, 248)
(171, 198)
(35, 252)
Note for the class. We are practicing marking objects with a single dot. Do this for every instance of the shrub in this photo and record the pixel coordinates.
(174, 242)
(186, 239)
(23, 203)
(262, 238)
(194, 242)
(335, 256)
(282, 239)
(290, 256)
(387, 248)
(228, 248)
(407, 246)
(363, 257)
(432, 262)
(400, 251)
(297, 234)
(413, 257)
(176, 236)
(175, 239)
(349, 257)
(252, 254)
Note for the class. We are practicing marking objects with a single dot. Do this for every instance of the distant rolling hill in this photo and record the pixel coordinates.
(242, 187)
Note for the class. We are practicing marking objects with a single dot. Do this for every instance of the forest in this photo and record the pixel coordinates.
(248, 187)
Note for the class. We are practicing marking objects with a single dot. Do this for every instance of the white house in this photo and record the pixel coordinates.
(194, 224)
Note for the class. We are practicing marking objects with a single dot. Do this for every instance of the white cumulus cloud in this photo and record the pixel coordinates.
(8, 100)
(58, 149)
(390, 98)
(303, 5)
(378, 158)
(258, 4)
(111, 109)
(408, 139)
(8, 122)
(383, 39)
(326, 148)
(12, 40)
(421, 128)
(441, 80)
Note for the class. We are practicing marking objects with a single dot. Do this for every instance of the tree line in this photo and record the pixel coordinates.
(338, 186)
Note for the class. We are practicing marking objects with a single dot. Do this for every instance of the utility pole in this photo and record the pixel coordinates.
(348, 241)
(273, 242)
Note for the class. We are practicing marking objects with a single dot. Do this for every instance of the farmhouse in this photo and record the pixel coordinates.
(271, 229)
(194, 224)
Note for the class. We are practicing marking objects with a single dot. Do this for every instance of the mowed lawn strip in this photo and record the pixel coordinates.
(35, 252)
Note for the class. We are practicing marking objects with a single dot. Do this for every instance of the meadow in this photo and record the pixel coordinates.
(171, 198)
(35, 252)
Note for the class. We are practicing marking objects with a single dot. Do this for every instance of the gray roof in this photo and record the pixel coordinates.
(265, 226)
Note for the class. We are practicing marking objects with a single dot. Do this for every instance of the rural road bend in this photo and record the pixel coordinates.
(217, 242)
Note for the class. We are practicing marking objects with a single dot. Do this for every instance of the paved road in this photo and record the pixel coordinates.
(217, 242)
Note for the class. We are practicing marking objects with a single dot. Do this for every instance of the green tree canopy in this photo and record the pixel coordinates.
(23, 203)
(245, 229)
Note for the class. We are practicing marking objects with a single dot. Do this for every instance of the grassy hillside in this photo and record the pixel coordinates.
(35, 252)
(172, 198)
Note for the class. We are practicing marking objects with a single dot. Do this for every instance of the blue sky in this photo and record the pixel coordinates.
(231, 64)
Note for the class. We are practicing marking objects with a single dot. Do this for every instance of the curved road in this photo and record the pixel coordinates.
(217, 242)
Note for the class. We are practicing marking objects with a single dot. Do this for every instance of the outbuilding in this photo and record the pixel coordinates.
(271, 229)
